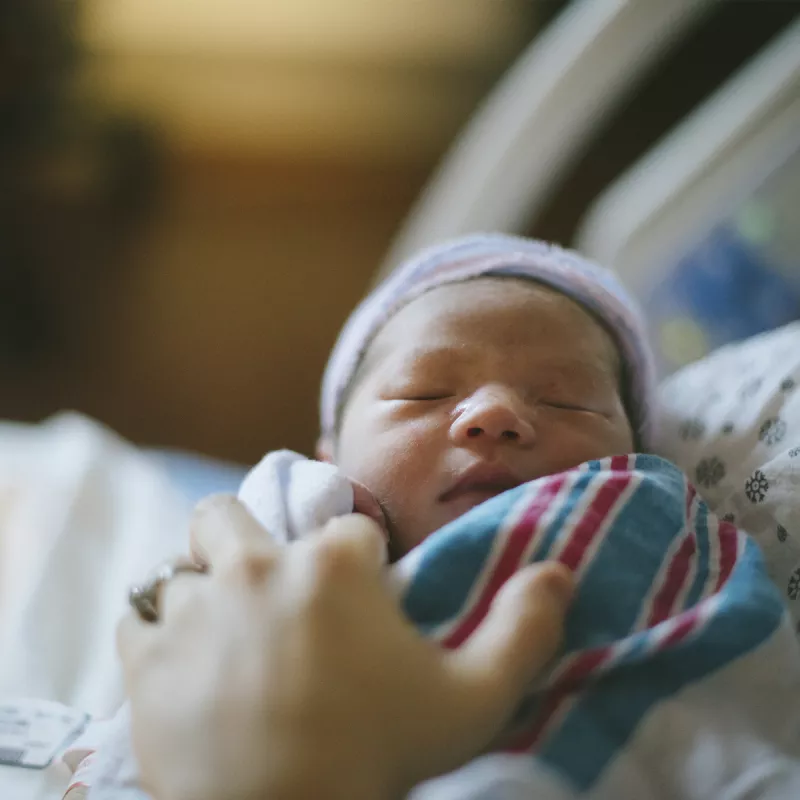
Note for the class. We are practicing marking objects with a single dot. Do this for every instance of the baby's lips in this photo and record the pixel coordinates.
(364, 502)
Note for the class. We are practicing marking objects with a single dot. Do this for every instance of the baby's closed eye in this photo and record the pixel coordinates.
(419, 395)
(422, 396)
(566, 406)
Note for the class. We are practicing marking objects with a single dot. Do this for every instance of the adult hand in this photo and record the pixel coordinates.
(291, 673)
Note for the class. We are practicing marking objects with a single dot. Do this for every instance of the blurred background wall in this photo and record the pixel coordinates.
(196, 193)
(267, 151)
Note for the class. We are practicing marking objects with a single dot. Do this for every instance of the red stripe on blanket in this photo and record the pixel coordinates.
(508, 561)
(584, 665)
(585, 531)
(620, 464)
(677, 573)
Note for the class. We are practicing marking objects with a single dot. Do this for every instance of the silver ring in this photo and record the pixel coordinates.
(143, 597)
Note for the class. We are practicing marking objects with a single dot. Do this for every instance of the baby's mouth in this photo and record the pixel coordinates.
(480, 482)
(459, 501)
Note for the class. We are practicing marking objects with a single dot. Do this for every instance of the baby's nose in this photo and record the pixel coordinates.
(496, 414)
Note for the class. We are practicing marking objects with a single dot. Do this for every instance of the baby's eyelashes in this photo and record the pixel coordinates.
(417, 395)
(596, 410)
(428, 397)
(565, 406)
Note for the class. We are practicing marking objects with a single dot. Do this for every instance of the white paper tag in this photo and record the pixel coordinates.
(33, 732)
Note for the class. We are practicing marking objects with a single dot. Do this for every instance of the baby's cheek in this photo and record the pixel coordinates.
(374, 474)
(577, 447)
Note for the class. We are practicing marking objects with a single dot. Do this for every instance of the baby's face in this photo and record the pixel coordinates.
(475, 388)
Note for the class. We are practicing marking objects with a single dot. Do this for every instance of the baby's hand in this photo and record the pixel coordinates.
(292, 496)
(364, 502)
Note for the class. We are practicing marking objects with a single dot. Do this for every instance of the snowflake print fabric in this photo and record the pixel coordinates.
(743, 451)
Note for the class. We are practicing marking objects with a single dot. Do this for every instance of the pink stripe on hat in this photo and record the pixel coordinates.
(596, 288)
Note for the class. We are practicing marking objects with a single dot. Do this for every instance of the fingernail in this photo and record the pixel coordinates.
(559, 581)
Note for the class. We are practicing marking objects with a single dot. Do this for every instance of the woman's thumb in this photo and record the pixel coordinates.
(519, 636)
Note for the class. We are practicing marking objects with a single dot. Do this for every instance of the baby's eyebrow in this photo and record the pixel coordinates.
(574, 365)
(577, 368)
(544, 367)
(447, 359)
(433, 353)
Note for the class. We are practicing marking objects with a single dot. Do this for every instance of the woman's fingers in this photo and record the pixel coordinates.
(222, 530)
(135, 639)
(172, 593)
(520, 635)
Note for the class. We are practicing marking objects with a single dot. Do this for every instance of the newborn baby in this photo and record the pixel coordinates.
(495, 366)
(479, 366)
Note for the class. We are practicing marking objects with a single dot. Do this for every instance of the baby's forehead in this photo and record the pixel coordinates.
(496, 301)
(510, 316)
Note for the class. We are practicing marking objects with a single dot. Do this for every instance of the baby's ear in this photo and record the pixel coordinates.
(325, 450)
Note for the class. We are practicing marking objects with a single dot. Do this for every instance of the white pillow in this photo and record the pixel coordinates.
(732, 423)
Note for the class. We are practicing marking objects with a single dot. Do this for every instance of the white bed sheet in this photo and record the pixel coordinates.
(83, 515)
